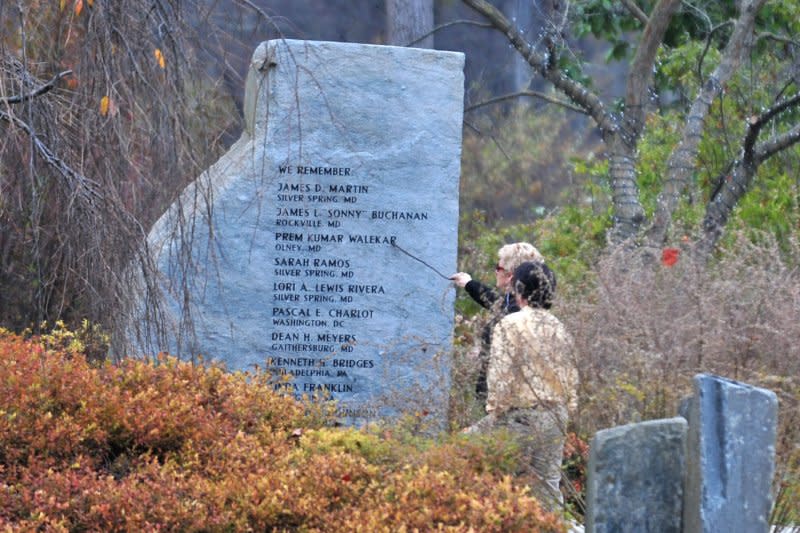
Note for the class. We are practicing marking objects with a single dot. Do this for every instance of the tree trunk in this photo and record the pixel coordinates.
(409, 23)
(682, 161)
(719, 208)
(628, 212)
(734, 185)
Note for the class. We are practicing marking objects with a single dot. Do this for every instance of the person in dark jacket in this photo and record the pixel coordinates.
(499, 301)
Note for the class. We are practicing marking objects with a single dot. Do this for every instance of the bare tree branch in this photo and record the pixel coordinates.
(709, 40)
(776, 144)
(251, 5)
(77, 181)
(447, 25)
(738, 182)
(521, 94)
(42, 89)
(494, 139)
(271, 20)
(547, 66)
(778, 38)
(637, 13)
(757, 124)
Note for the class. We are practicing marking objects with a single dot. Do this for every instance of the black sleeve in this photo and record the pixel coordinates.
(483, 294)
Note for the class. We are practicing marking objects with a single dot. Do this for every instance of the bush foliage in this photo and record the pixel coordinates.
(170, 445)
(644, 329)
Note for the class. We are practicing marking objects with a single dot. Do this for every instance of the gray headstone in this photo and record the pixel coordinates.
(731, 456)
(635, 478)
(335, 222)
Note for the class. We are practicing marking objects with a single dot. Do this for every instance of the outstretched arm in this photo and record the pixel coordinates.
(485, 295)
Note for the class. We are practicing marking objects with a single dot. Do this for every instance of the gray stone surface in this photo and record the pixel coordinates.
(731, 454)
(635, 478)
(350, 159)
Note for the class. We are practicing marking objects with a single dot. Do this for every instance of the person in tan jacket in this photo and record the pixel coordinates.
(532, 379)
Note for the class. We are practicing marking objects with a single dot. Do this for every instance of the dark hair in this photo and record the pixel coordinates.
(536, 283)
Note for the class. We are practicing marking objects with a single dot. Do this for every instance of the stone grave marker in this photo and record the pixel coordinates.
(321, 241)
(731, 456)
(635, 478)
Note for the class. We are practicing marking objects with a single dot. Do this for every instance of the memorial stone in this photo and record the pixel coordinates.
(731, 456)
(635, 478)
(322, 239)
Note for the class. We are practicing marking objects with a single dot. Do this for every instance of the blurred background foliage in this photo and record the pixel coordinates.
(106, 113)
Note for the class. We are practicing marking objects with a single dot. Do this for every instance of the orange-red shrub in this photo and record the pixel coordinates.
(171, 445)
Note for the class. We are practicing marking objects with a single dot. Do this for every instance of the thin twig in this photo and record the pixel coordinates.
(16, 99)
(497, 143)
(778, 38)
(707, 47)
(88, 188)
(533, 94)
(447, 25)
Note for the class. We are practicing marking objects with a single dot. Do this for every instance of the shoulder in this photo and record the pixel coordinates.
(545, 317)
(520, 317)
(531, 314)
(538, 321)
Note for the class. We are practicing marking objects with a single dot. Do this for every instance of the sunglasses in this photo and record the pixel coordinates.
(498, 268)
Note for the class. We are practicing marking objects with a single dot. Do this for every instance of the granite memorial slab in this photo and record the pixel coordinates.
(321, 241)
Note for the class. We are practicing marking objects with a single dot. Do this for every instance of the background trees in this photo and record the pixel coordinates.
(712, 68)
(108, 110)
(105, 112)
(409, 22)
